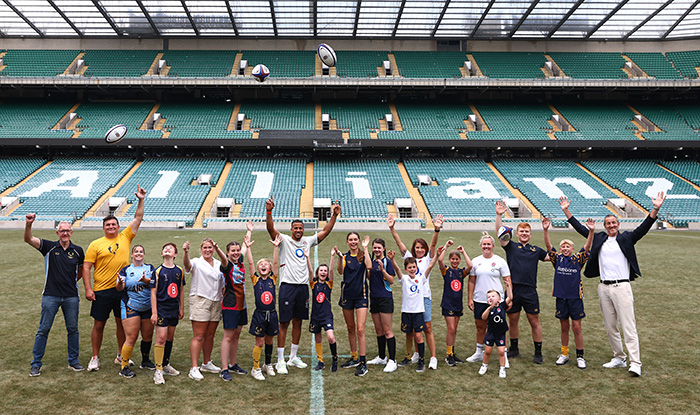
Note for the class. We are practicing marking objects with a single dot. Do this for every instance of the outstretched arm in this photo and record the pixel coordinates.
(276, 254)
(269, 205)
(330, 266)
(329, 225)
(657, 202)
(467, 260)
(249, 254)
(545, 228)
(565, 203)
(222, 256)
(28, 237)
(391, 255)
(249, 234)
(501, 209)
(441, 257)
(391, 221)
(186, 256)
(589, 241)
(138, 216)
(365, 249)
(437, 224)
(440, 252)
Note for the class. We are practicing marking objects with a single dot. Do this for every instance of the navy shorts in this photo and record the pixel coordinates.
(315, 326)
(106, 302)
(412, 322)
(351, 304)
(294, 302)
(264, 323)
(234, 319)
(479, 309)
(128, 312)
(499, 340)
(569, 308)
(381, 305)
(525, 298)
(167, 321)
(451, 313)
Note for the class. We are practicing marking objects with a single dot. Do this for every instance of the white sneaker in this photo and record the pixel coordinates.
(94, 364)
(476, 357)
(562, 360)
(378, 361)
(296, 362)
(502, 372)
(170, 371)
(281, 367)
(210, 367)
(257, 374)
(615, 362)
(390, 366)
(195, 374)
(118, 360)
(433, 363)
(158, 377)
(269, 370)
(635, 369)
(484, 367)
(581, 362)
(415, 358)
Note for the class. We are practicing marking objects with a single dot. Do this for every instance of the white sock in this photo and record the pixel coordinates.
(484, 365)
(480, 348)
(293, 353)
(280, 354)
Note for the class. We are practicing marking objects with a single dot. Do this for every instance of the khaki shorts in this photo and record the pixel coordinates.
(204, 309)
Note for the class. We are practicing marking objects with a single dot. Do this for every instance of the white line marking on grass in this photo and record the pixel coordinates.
(317, 404)
(675, 235)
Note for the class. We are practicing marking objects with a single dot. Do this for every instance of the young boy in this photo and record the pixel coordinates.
(166, 309)
(265, 323)
(568, 290)
(452, 294)
(321, 313)
(412, 305)
(495, 314)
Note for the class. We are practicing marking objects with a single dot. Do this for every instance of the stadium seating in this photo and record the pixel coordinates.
(514, 65)
(276, 115)
(21, 62)
(432, 122)
(655, 64)
(359, 64)
(284, 63)
(509, 121)
(14, 170)
(200, 63)
(672, 125)
(98, 117)
(690, 113)
(199, 120)
(590, 65)
(30, 118)
(430, 64)
(602, 121)
(356, 117)
(689, 169)
(118, 63)
(686, 62)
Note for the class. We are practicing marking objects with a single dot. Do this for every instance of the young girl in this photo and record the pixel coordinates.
(452, 294)
(495, 317)
(381, 305)
(321, 314)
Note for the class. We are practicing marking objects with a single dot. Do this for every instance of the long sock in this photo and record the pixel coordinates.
(381, 344)
(363, 358)
(513, 344)
(421, 350)
(450, 351)
(257, 351)
(319, 352)
(565, 351)
(538, 348)
(334, 350)
(409, 350)
(579, 353)
(280, 354)
(391, 343)
(293, 353)
(126, 355)
(168, 351)
(158, 352)
(145, 350)
(353, 355)
(480, 348)
(268, 354)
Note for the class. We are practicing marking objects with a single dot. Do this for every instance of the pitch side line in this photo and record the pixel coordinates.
(317, 404)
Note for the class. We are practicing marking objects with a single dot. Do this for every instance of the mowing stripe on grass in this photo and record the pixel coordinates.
(317, 404)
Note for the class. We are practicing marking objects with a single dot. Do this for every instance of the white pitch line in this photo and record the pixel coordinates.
(317, 404)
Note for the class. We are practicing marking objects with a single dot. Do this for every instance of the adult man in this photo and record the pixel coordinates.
(614, 260)
(109, 255)
(63, 263)
(522, 260)
(294, 281)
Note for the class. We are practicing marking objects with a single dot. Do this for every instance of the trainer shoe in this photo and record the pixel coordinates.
(502, 372)
(94, 364)
(415, 357)
(537, 359)
(635, 369)
(210, 367)
(420, 366)
(170, 371)
(450, 360)
(350, 363)
(281, 367)
(334, 364)
(118, 360)
(195, 373)
(562, 360)
(361, 369)
(158, 377)
(225, 375)
(513, 353)
(484, 367)
(405, 362)
(433, 363)
(76, 367)
(378, 361)
(297, 362)
(127, 373)
(237, 370)
(147, 364)
(35, 371)
(390, 366)
(268, 370)
(581, 362)
(457, 359)
(257, 374)
(320, 366)
(476, 357)
(615, 362)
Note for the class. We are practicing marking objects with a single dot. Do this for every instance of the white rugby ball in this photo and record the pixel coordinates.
(260, 72)
(505, 233)
(115, 134)
(327, 54)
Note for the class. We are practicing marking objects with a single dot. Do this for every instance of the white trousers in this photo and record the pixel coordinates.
(617, 304)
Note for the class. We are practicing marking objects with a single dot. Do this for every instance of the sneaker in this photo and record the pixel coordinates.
(484, 367)
(195, 374)
(76, 367)
(537, 359)
(350, 363)
(615, 362)
(281, 368)
(361, 369)
(457, 359)
(35, 371)
(147, 364)
(476, 357)
(94, 364)
(581, 362)
(513, 353)
(257, 374)
(390, 366)
(170, 371)
(450, 360)
(420, 366)
(334, 365)
(127, 373)
(562, 360)
(235, 369)
(320, 366)
(225, 375)
(210, 367)
(433, 363)
(158, 377)
(378, 361)
(502, 372)
(635, 369)
(415, 357)
(296, 362)
(268, 370)
(405, 362)
(118, 360)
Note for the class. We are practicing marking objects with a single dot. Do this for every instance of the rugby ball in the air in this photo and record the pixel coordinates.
(260, 72)
(505, 233)
(327, 54)
(115, 134)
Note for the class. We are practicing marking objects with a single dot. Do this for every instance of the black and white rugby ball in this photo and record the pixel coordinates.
(327, 54)
(115, 134)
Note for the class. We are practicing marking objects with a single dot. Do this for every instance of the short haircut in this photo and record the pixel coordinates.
(611, 216)
(108, 218)
(566, 241)
(171, 244)
(489, 291)
(408, 261)
(63, 222)
(523, 225)
(297, 221)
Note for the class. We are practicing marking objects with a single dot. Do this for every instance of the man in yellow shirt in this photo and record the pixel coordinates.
(109, 254)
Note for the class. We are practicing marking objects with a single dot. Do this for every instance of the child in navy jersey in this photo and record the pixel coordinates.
(321, 314)
(495, 314)
(452, 294)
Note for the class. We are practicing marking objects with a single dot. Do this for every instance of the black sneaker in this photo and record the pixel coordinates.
(35, 371)
(225, 375)
(420, 367)
(405, 362)
(537, 359)
(76, 367)
(450, 360)
(334, 365)
(361, 369)
(235, 369)
(350, 363)
(127, 373)
(457, 359)
(321, 366)
(147, 364)
(513, 353)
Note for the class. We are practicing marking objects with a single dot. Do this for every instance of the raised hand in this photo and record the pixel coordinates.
(365, 242)
(276, 242)
(140, 192)
(30, 218)
(390, 254)
(658, 201)
(336, 208)
(248, 242)
(380, 265)
(591, 224)
(460, 249)
(186, 246)
(449, 243)
(501, 207)
(269, 204)
(440, 250)
(546, 223)
(564, 202)
(249, 226)
(390, 221)
(437, 222)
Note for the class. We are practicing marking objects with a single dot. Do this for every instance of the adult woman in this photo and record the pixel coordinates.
(381, 276)
(206, 292)
(423, 256)
(487, 271)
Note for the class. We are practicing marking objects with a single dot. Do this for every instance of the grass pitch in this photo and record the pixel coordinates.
(664, 297)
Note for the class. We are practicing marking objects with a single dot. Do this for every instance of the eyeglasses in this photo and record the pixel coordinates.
(65, 231)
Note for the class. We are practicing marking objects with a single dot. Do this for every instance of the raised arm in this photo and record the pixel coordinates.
(276, 254)
(330, 265)
(28, 237)
(440, 252)
(545, 228)
(437, 224)
(391, 221)
(248, 233)
(329, 225)
(186, 256)
(467, 261)
(500, 210)
(565, 203)
(341, 266)
(441, 257)
(589, 240)
(222, 255)
(391, 255)
(509, 291)
(387, 277)
(365, 249)
(249, 254)
(657, 202)
(138, 216)
(269, 205)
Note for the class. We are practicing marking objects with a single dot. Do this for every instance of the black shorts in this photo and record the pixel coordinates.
(498, 340)
(572, 308)
(451, 313)
(128, 312)
(351, 304)
(294, 302)
(106, 301)
(234, 319)
(326, 324)
(412, 322)
(264, 323)
(381, 305)
(167, 321)
(525, 298)
(479, 309)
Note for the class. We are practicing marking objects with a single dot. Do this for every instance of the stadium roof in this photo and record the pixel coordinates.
(407, 19)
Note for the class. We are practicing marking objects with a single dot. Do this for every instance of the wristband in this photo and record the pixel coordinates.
(269, 212)
(437, 230)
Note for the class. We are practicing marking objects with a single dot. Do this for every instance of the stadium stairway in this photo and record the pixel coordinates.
(617, 192)
(516, 192)
(82, 70)
(478, 115)
(397, 120)
(306, 202)
(416, 196)
(12, 188)
(151, 71)
(211, 197)
(549, 58)
(150, 116)
(475, 65)
(394, 66)
(72, 124)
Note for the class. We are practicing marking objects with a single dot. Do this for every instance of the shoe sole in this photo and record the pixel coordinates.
(171, 374)
(561, 364)
(159, 383)
(93, 369)
(361, 373)
(209, 371)
(194, 378)
(126, 376)
(31, 375)
(226, 380)
(75, 370)
(146, 367)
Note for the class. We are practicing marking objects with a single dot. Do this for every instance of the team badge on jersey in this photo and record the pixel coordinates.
(172, 290)
(320, 298)
(266, 297)
(456, 285)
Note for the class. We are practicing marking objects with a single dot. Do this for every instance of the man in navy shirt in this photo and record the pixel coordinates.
(63, 268)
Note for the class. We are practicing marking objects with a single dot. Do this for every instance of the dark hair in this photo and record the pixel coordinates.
(454, 253)
(234, 243)
(422, 242)
(360, 252)
(171, 244)
(352, 233)
(297, 221)
(108, 218)
(138, 246)
(381, 242)
(409, 260)
(319, 267)
(611, 216)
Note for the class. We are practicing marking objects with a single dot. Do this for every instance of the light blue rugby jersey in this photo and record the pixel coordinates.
(138, 292)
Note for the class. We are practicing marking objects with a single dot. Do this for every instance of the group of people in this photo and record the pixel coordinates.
(143, 297)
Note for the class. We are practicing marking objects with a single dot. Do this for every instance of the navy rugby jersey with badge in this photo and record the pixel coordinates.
(497, 320)
(522, 261)
(378, 286)
(567, 274)
(137, 293)
(234, 296)
(354, 282)
(61, 268)
(264, 291)
(168, 282)
(321, 296)
(453, 289)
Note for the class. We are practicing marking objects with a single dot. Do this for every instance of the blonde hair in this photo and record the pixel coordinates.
(566, 241)
(257, 264)
(485, 235)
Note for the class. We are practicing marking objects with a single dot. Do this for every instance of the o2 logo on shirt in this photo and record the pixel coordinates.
(172, 290)
(320, 298)
(266, 297)
(497, 318)
(414, 288)
(456, 285)
(299, 253)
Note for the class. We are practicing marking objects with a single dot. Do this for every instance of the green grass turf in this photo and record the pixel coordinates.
(664, 300)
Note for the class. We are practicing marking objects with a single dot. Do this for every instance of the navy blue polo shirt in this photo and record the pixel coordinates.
(61, 268)
(522, 261)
